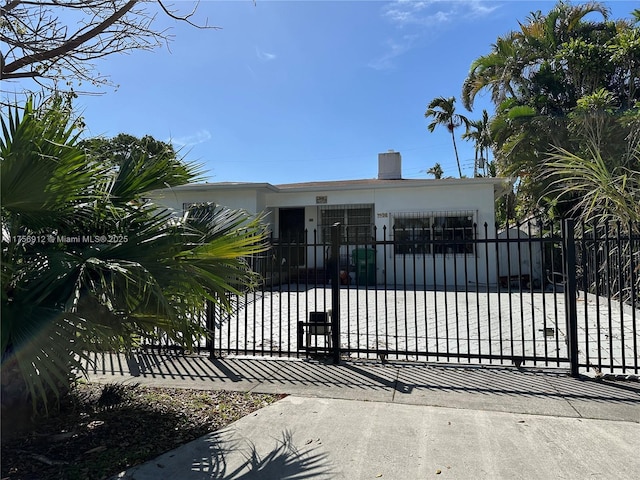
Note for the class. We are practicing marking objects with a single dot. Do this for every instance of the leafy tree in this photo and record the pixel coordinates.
(88, 264)
(55, 42)
(600, 181)
(601, 177)
(443, 112)
(142, 163)
(530, 62)
(538, 76)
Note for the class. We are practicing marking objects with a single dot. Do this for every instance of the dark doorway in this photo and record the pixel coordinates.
(292, 235)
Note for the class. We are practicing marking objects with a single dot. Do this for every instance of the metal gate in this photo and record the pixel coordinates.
(455, 300)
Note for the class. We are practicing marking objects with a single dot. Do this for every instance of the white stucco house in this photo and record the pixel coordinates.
(387, 207)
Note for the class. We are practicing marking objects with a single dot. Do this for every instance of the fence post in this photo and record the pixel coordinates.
(211, 339)
(569, 245)
(335, 291)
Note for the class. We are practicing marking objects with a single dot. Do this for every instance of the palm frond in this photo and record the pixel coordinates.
(43, 177)
(603, 192)
(63, 297)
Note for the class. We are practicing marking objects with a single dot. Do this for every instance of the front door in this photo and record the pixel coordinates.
(292, 235)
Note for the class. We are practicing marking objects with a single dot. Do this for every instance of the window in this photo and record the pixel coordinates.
(438, 232)
(412, 234)
(356, 220)
(452, 231)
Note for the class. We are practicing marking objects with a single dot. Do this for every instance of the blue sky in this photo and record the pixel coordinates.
(290, 91)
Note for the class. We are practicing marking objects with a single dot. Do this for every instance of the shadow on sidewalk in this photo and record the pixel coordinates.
(220, 455)
(283, 375)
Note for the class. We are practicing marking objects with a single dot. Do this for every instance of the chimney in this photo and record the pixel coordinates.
(389, 166)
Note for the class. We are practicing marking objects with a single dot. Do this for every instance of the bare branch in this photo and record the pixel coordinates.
(57, 40)
(68, 46)
(185, 18)
(30, 74)
(10, 6)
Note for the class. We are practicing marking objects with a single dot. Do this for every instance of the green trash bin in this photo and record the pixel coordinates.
(365, 263)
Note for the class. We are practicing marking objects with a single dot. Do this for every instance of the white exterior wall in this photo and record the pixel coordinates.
(429, 196)
(235, 198)
(520, 258)
(431, 270)
(389, 201)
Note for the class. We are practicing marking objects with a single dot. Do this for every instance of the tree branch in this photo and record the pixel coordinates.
(68, 46)
(16, 75)
(10, 6)
(57, 40)
(185, 18)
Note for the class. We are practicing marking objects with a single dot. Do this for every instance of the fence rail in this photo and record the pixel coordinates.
(525, 295)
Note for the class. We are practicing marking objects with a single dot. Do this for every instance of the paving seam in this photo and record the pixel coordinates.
(560, 394)
(468, 409)
(574, 408)
(395, 385)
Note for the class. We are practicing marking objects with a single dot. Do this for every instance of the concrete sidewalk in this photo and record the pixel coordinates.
(361, 420)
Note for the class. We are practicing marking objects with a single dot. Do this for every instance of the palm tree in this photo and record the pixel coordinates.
(480, 133)
(600, 177)
(442, 110)
(500, 71)
(509, 70)
(602, 191)
(436, 171)
(537, 75)
(87, 263)
(562, 22)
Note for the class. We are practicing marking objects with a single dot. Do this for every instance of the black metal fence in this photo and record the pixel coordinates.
(528, 294)
(607, 269)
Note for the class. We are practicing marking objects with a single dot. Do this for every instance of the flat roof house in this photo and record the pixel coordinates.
(410, 212)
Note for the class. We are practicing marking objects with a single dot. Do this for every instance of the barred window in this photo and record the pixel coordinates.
(356, 220)
(433, 232)
(412, 234)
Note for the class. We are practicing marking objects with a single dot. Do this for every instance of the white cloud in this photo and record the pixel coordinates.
(434, 12)
(198, 137)
(414, 15)
(265, 56)
(406, 11)
(480, 9)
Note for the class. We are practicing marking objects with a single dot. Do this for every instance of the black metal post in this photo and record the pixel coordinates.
(335, 291)
(211, 339)
(571, 294)
(301, 336)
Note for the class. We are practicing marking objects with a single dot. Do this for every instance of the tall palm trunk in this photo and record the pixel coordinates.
(455, 149)
(442, 110)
